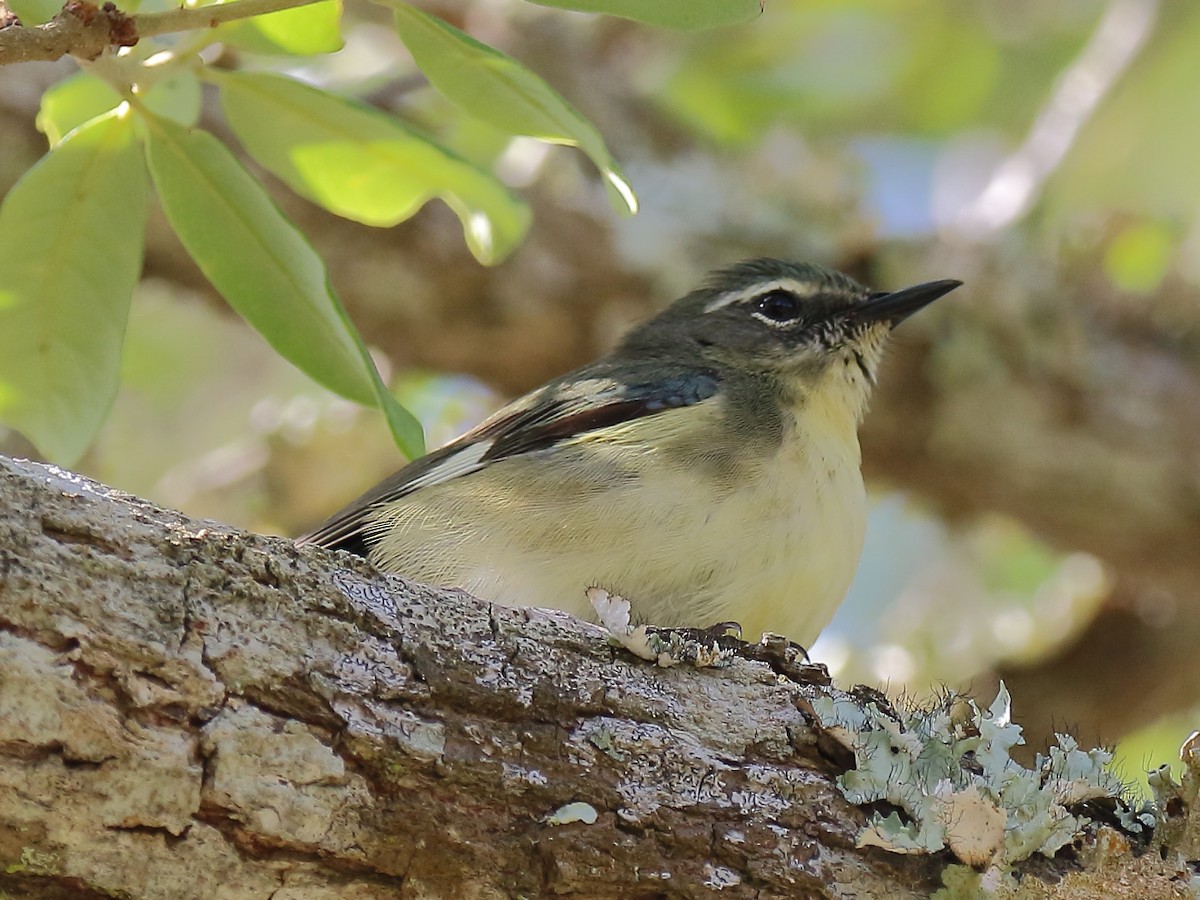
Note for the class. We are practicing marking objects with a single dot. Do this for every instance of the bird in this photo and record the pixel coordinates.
(707, 469)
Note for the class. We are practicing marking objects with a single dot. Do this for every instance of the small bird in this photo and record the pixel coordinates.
(708, 469)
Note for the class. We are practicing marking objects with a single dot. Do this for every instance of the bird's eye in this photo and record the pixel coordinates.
(777, 307)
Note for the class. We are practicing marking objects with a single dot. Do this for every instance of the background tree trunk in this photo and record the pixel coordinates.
(191, 711)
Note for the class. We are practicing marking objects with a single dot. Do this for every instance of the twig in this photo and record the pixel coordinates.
(85, 30)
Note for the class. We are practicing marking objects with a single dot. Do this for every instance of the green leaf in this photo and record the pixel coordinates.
(363, 164)
(72, 231)
(82, 96)
(502, 92)
(147, 6)
(73, 101)
(685, 14)
(177, 97)
(35, 12)
(263, 266)
(302, 31)
(1140, 256)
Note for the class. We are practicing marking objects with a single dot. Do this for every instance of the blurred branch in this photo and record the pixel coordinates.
(1014, 186)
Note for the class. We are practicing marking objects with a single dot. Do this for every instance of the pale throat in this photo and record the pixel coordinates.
(829, 416)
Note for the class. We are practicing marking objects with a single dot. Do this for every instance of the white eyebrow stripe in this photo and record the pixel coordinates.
(801, 289)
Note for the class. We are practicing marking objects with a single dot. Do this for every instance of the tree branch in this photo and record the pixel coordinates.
(84, 30)
(183, 705)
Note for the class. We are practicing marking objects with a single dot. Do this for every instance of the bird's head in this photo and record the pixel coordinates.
(813, 331)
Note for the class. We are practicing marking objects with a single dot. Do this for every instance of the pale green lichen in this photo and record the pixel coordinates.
(960, 883)
(573, 812)
(33, 862)
(950, 773)
(665, 647)
(718, 878)
(602, 739)
(1180, 802)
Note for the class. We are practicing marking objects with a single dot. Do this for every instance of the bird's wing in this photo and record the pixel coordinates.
(538, 421)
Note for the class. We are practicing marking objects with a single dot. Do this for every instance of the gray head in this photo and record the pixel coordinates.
(813, 330)
(806, 325)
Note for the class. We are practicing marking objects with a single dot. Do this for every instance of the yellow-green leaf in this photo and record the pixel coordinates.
(301, 31)
(72, 232)
(499, 90)
(73, 101)
(177, 97)
(35, 12)
(685, 14)
(364, 165)
(264, 267)
(1139, 257)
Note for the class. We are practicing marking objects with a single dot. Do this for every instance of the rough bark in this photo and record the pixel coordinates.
(191, 711)
(80, 28)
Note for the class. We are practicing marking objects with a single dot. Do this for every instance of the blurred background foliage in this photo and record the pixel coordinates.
(1034, 454)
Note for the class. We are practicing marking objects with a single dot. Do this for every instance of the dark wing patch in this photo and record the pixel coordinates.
(560, 420)
(538, 421)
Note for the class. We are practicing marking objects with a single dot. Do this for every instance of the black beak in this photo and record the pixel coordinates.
(897, 306)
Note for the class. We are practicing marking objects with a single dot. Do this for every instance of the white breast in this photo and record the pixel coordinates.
(807, 519)
(773, 550)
